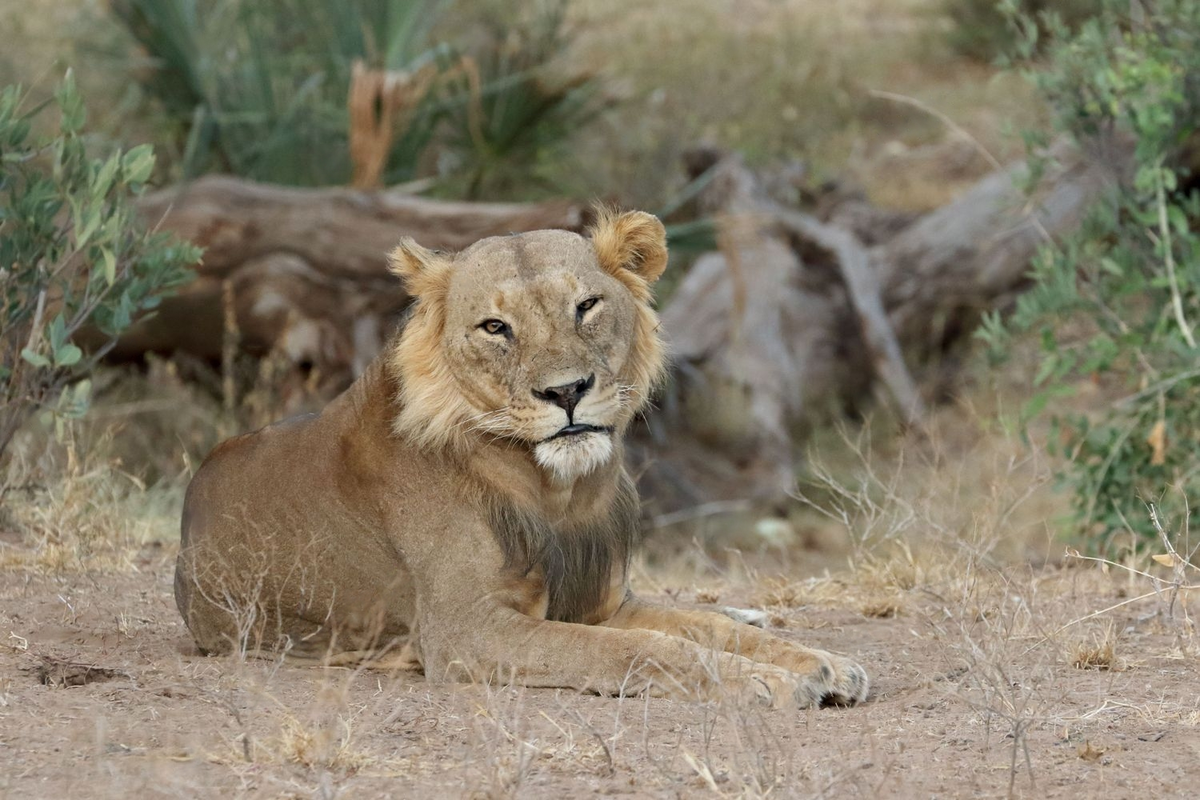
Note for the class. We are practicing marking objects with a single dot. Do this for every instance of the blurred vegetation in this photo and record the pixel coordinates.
(1117, 305)
(787, 81)
(632, 85)
(986, 29)
(514, 108)
(73, 257)
(776, 84)
(790, 81)
(260, 89)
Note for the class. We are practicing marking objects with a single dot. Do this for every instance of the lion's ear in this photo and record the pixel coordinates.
(632, 242)
(423, 271)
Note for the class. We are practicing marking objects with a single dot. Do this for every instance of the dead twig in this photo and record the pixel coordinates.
(380, 103)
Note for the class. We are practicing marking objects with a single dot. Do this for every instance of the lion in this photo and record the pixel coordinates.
(464, 509)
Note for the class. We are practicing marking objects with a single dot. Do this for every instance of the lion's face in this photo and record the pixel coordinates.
(546, 339)
(539, 335)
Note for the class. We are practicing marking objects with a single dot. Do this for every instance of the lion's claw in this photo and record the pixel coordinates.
(833, 681)
(850, 684)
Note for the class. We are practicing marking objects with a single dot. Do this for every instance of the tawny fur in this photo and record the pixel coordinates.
(452, 511)
(432, 413)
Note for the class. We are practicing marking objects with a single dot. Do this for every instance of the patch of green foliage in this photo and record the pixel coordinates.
(74, 259)
(259, 89)
(984, 29)
(1129, 281)
(520, 112)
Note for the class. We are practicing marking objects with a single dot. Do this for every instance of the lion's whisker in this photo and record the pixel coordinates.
(475, 421)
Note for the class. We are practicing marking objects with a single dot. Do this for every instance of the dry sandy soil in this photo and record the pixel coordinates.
(976, 693)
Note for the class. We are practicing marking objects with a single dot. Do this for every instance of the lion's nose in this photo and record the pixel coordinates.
(568, 395)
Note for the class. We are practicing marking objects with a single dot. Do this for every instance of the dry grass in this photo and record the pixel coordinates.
(81, 512)
(1098, 652)
(792, 80)
(320, 746)
(108, 489)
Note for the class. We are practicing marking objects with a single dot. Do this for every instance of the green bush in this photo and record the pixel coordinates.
(984, 29)
(259, 89)
(1118, 304)
(73, 258)
(520, 110)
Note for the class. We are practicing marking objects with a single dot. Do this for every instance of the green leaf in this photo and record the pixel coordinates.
(67, 356)
(91, 221)
(36, 359)
(76, 400)
(70, 104)
(1048, 367)
(1178, 219)
(56, 332)
(138, 164)
(106, 175)
(110, 265)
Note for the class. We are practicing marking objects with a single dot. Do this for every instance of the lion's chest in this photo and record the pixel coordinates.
(528, 595)
(564, 575)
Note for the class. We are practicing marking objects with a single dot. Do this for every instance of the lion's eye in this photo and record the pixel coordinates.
(587, 305)
(494, 327)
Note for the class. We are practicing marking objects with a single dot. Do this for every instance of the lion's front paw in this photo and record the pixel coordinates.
(849, 684)
(831, 680)
(826, 679)
(771, 687)
(809, 678)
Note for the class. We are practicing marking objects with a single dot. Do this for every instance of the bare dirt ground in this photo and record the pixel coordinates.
(977, 692)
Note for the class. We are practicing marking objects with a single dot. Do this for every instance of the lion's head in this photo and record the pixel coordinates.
(547, 339)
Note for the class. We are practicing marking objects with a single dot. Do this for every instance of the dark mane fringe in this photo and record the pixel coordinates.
(578, 562)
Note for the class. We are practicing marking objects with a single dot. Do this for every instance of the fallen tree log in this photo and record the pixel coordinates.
(863, 291)
(307, 266)
(794, 317)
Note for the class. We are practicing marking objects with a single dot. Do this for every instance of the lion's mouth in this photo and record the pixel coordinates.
(578, 428)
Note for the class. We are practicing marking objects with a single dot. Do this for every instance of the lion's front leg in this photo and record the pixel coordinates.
(828, 677)
(505, 645)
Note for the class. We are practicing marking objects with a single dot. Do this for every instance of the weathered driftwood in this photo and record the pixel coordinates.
(794, 316)
(942, 272)
(854, 263)
(307, 266)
